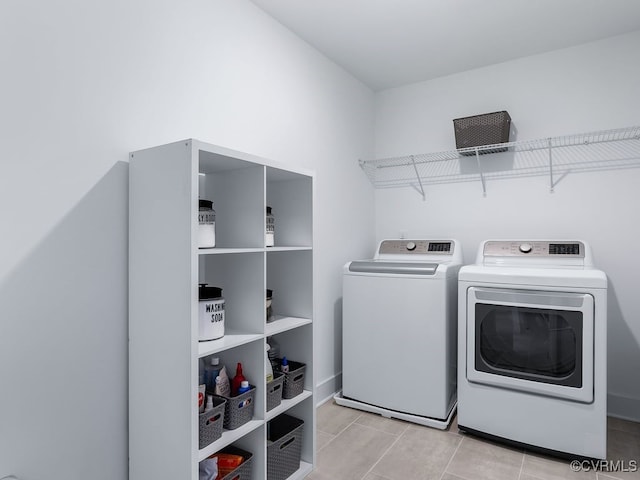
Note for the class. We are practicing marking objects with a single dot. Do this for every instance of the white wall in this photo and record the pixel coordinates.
(84, 83)
(581, 89)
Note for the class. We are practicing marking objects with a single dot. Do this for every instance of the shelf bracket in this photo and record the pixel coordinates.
(551, 184)
(484, 185)
(415, 168)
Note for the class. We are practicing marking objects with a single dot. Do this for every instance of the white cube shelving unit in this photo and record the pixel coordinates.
(166, 267)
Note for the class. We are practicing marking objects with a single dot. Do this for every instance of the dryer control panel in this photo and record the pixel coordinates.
(536, 248)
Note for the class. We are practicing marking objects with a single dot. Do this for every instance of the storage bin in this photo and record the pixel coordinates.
(242, 471)
(485, 129)
(293, 380)
(211, 422)
(239, 409)
(274, 391)
(284, 444)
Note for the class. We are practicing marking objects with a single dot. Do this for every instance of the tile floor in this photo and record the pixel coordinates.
(356, 445)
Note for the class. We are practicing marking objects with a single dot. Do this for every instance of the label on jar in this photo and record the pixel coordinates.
(206, 229)
(211, 319)
(206, 217)
(216, 310)
(270, 231)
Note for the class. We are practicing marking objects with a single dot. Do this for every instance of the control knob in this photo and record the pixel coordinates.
(411, 246)
(525, 247)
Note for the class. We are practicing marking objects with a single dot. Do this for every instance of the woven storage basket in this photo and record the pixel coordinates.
(284, 444)
(211, 422)
(239, 409)
(243, 471)
(485, 129)
(293, 380)
(274, 391)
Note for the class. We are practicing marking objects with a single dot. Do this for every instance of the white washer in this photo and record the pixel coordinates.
(532, 347)
(399, 331)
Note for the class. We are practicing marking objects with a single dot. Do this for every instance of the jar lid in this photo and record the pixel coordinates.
(208, 293)
(205, 203)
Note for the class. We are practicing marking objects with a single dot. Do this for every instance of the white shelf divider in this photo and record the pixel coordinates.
(304, 470)
(228, 437)
(230, 340)
(283, 323)
(292, 248)
(286, 404)
(225, 251)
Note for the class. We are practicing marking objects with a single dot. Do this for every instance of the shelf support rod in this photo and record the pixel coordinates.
(484, 185)
(551, 185)
(415, 168)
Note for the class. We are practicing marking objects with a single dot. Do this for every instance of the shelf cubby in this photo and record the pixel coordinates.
(290, 195)
(237, 194)
(241, 277)
(304, 411)
(289, 276)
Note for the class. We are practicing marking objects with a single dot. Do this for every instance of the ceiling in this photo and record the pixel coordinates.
(389, 43)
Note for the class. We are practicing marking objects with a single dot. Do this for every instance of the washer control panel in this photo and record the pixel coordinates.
(533, 249)
(416, 247)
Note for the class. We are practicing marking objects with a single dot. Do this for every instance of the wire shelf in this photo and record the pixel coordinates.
(555, 157)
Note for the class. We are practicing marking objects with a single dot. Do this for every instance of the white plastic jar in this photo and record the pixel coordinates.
(206, 224)
(270, 228)
(210, 313)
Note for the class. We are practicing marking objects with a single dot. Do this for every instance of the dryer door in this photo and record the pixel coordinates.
(530, 340)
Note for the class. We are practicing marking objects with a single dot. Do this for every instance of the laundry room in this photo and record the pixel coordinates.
(335, 124)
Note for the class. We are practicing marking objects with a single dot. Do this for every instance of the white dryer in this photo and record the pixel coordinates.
(532, 347)
(399, 331)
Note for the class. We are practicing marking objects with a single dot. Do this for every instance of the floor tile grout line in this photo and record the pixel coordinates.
(521, 467)
(444, 472)
(380, 430)
(385, 452)
(605, 476)
(354, 422)
(333, 437)
(347, 426)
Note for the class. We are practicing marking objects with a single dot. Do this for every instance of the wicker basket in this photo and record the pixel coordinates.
(239, 409)
(293, 380)
(274, 391)
(479, 130)
(242, 471)
(284, 444)
(211, 422)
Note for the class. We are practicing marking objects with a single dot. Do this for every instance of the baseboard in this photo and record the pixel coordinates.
(623, 407)
(326, 389)
(617, 406)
